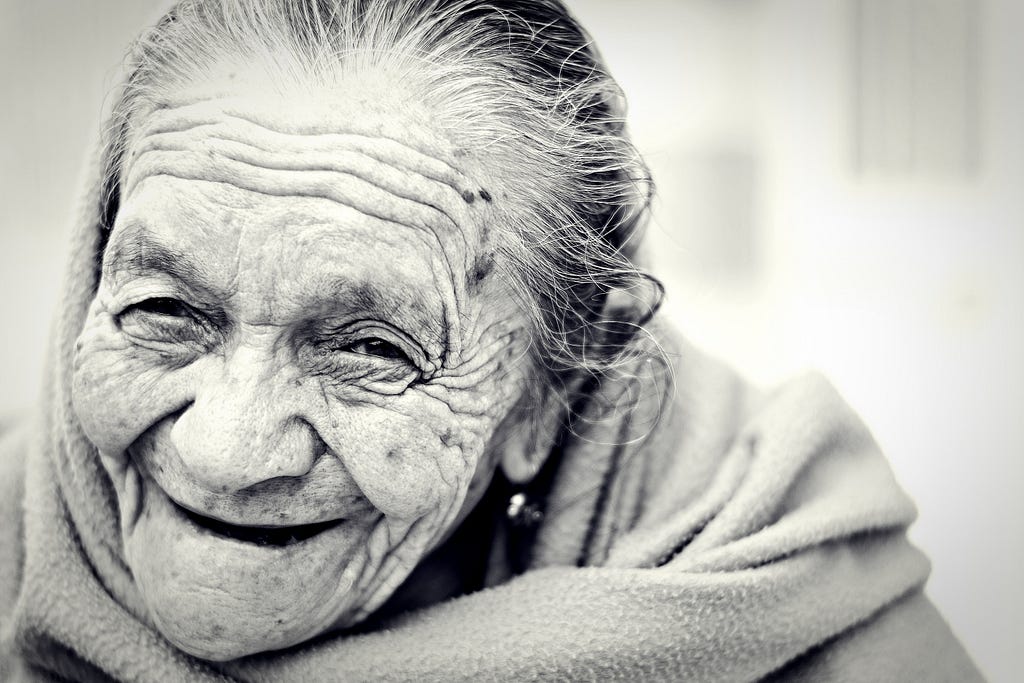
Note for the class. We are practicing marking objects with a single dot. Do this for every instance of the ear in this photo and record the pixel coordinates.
(525, 452)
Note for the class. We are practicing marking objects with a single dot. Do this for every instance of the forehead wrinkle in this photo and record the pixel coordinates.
(343, 188)
(372, 175)
(397, 182)
(431, 159)
(371, 137)
(330, 111)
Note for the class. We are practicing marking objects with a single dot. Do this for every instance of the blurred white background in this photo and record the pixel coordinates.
(840, 186)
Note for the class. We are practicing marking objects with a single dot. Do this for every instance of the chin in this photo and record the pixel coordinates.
(219, 591)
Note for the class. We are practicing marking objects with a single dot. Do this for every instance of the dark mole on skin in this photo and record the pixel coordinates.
(486, 196)
(482, 267)
(468, 196)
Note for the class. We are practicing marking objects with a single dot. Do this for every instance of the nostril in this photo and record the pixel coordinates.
(319, 446)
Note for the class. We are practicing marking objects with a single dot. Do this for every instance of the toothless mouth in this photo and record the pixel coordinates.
(261, 535)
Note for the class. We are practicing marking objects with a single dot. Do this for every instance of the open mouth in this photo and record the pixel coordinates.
(261, 535)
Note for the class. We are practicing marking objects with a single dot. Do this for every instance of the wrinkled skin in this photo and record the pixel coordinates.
(293, 327)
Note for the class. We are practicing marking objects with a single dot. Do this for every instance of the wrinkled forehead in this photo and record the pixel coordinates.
(376, 154)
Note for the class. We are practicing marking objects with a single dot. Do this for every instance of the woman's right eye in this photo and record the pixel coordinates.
(164, 319)
(162, 306)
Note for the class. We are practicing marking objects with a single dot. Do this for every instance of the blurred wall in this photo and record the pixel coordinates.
(839, 187)
(58, 62)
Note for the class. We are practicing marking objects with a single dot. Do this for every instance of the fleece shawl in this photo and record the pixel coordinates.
(696, 530)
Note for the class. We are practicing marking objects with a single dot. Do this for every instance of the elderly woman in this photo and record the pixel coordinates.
(353, 332)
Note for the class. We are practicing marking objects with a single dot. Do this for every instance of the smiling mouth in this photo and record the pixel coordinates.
(261, 535)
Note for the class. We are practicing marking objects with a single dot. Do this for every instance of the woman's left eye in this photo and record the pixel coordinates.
(380, 348)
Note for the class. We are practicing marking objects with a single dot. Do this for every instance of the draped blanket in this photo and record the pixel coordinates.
(696, 530)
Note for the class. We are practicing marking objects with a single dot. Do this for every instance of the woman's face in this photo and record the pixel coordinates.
(297, 367)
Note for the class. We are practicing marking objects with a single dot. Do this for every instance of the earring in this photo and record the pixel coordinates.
(523, 512)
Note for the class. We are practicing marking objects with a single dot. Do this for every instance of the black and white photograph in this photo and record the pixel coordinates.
(511, 340)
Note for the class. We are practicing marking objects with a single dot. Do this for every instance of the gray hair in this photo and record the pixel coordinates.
(517, 78)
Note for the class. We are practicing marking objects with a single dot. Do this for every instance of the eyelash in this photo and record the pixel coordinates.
(367, 351)
(383, 349)
(371, 342)
(155, 305)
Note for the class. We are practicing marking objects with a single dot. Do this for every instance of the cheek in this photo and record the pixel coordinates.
(411, 462)
(118, 390)
(442, 442)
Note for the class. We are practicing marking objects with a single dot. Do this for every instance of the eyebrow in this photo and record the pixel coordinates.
(407, 309)
(136, 252)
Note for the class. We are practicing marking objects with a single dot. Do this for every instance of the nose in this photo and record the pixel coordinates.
(244, 426)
